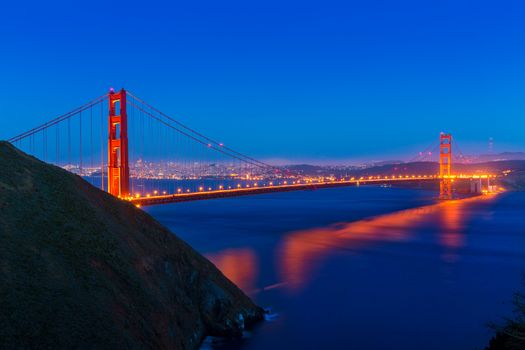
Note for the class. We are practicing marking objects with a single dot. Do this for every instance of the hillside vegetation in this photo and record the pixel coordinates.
(511, 335)
(81, 269)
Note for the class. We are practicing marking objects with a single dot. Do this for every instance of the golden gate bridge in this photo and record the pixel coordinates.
(135, 152)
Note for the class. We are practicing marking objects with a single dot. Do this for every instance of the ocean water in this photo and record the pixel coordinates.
(363, 268)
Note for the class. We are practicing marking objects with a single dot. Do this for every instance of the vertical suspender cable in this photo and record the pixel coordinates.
(80, 144)
(102, 146)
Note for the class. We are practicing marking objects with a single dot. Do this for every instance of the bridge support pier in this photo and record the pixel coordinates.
(476, 187)
(118, 166)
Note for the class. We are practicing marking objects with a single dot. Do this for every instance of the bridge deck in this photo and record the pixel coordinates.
(203, 195)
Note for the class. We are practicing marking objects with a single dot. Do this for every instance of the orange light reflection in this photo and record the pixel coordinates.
(239, 265)
(301, 253)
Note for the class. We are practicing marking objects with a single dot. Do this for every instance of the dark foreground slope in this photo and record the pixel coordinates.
(81, 269)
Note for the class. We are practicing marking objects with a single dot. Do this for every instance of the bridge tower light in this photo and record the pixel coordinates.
(445, 166)
(118, 166)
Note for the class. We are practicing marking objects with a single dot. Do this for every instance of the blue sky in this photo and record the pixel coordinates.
(282, 80)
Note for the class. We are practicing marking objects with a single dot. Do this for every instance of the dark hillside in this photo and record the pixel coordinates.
(81, 269)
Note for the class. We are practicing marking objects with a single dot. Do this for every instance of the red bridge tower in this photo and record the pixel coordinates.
(118, 167)
(445, 166)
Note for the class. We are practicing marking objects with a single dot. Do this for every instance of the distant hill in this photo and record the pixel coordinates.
(82, 269)
(497, 157)
(433, 168)
(401, 168)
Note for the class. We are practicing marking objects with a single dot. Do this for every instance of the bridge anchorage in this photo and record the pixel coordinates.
(144, 156)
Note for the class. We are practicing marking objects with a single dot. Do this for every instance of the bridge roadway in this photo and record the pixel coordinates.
(236, 192)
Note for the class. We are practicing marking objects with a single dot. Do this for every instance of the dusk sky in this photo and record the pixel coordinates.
(280, 79)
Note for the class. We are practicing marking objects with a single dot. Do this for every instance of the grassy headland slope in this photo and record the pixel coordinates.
(81, 269)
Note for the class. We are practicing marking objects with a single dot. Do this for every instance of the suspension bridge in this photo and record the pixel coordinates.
(132, 150)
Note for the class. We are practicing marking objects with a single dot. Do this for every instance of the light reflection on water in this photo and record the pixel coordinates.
(239, 265)
(301, 252)
(337, 271)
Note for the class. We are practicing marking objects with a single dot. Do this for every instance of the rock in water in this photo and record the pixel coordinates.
(82, 269)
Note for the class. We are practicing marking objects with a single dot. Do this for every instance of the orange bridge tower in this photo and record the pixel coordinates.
(445, 166)
(118, 167)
